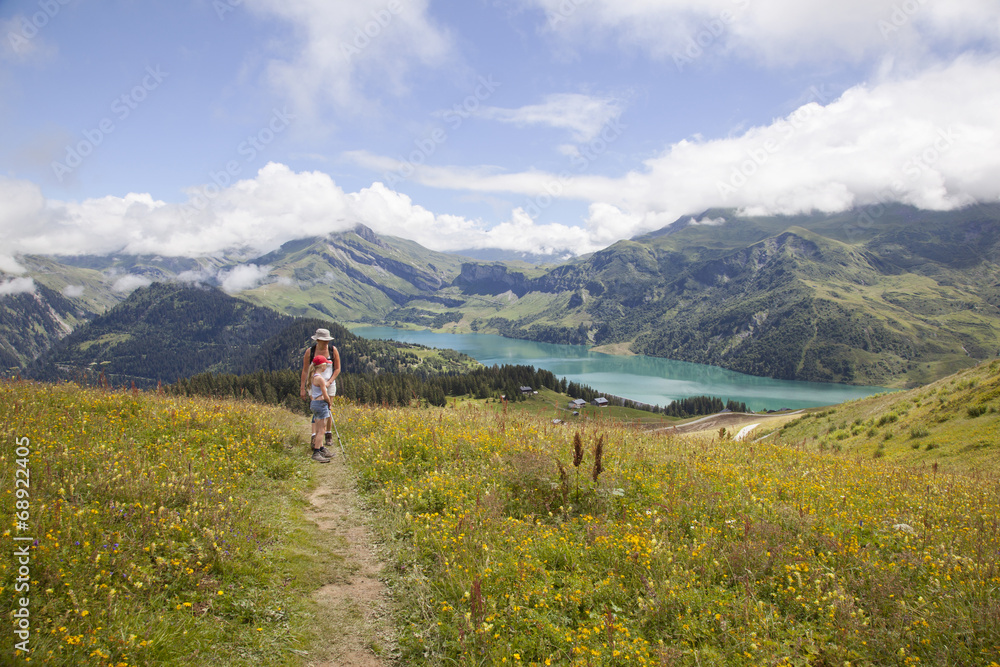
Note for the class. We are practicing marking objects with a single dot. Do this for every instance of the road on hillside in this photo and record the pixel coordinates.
(731, 421)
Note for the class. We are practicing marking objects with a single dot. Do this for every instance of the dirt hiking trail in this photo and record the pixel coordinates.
(355, 605)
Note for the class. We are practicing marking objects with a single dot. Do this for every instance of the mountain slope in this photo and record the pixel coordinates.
(165, 332)
(349, 276)
(950, 424)
(161, 333)
(887, 295)
(904, 300)
(31, 322)
(355, 275)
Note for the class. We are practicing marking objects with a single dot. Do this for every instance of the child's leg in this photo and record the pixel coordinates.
(317, 424)
(328, 424)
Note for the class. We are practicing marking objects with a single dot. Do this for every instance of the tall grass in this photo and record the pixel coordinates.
(162, 528)
(682, 552)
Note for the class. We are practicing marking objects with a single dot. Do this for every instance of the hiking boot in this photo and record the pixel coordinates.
(325, 452)
(317, 456)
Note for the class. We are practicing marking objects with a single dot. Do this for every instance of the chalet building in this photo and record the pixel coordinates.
(576, 404)
(600, 402)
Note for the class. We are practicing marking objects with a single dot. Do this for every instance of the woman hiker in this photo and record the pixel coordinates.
(307, 387)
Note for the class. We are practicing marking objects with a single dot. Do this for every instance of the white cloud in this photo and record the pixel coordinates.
(255, 215)
(10, 265)
(197, 277)
(243, 277)
(130, 282)
(707, 222)
(73, 291)
(780, 32)
(345, 50)
(931, 140)
(23, 204)
(582, 115)
(17, 286)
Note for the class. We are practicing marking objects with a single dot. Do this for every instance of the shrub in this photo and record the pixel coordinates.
(976, 410)
(890, 418)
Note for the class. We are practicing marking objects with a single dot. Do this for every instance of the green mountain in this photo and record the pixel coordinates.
(349, 276)
(888, 295)
(161, 333)
(353, 276)
(904, 299)
(32, 322)
(165, 332)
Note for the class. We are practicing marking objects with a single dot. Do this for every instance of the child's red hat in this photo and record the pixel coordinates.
(320, 360)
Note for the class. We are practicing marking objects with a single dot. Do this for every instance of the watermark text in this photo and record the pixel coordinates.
(22, 544)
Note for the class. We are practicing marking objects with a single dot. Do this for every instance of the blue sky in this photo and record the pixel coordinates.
(200, 126)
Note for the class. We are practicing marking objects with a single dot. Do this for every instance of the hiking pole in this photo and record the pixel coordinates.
(337, 431)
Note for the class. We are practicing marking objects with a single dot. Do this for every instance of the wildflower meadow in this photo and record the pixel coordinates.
(520, 541)
(169, 531)
(159, 528)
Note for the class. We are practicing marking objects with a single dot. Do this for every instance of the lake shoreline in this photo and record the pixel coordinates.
(640, 378)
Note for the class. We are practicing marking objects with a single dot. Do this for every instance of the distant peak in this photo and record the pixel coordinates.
(367, 234)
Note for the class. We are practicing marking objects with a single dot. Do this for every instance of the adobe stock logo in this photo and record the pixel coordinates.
(223, 7)
(711, 33)
(248, 150)
(426, 147)
(756, 157)
(122, 107)
(31, 25)
(582, 157)
(363, 35)
(902, 13)
(913, 169)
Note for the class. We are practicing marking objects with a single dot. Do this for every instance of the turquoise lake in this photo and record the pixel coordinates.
(640, 378)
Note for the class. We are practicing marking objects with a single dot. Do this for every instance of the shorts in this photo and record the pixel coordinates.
(320, 410)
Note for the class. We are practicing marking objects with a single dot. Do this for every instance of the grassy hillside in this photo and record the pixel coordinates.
(351, 276)
(892, 296)
(951, 425)
(675, 551)
(166, 332)
(31, 322)
(165, 531)
(171, 532)
(161, 333)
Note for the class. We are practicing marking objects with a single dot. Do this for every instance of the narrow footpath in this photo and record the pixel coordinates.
(355, 605)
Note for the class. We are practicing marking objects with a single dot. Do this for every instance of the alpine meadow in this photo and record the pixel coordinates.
(173, 530)
(554, 333)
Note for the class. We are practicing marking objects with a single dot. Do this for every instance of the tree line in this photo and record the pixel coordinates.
(404, 389)
(390, 389)
(702, 405)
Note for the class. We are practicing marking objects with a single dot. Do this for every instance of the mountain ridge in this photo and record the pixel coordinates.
(895, 299)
